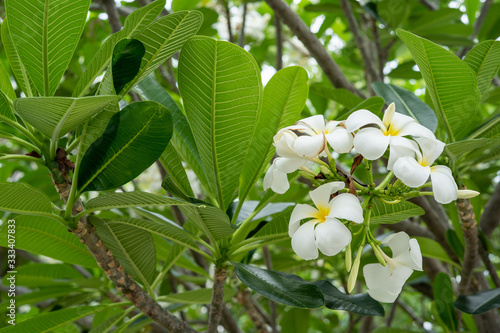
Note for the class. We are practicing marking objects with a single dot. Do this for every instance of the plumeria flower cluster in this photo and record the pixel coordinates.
(338, 213)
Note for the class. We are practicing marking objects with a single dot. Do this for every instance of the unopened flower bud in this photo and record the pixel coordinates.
(348, 257)
(467, 194)
(378, 253)
(354, 271)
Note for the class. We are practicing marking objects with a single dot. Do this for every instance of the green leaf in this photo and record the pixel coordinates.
(276, 229)
(221, 88)
(456, 245)
(342, 96)
(443, 297)
(24, 199)
(391, 330)
(211, 220)
(127, 56)
(392, 213)
(451, 83)
(460, 148)
(133, 247)
(56, 116)
(183, 138)
(374, 104)
(479, 302)
(38, 275)
(133, 140)
(432, 249)
(407, 103)
(6, 85)
(169, 230)
(130, 199)
(45, 34)
(176, 182)
(15, 63)
(284, 98)
(484, 60)
(296, 320)
(197, 296)
(47, 237)
(133, 24)
(361, 304)
(5, 109)
(471, 7)
(162, 39)
(178, 5)
(109, 323)
(48, 322)
(43, 294)
(279, 287)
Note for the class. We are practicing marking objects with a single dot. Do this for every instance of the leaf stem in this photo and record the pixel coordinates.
(22, 157)
(386, 181)
(23, 130)
(20, 141)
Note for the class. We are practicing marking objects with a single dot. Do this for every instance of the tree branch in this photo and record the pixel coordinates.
(258, 320)
(312, 43)
(371, 73)
(241, 38)
(217, 302)
(490, 218)
(113, 16)
(469, 226)
(429, 4)
(489, 265)
(225, 5)
(279, 43)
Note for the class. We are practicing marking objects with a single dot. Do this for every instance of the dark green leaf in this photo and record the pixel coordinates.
(443, 297)
(407, 103)
(279, 287)
(127, 56)
(480, 302)
(133, 140)
(455, 243)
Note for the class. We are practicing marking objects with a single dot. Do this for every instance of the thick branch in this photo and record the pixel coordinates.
(312, 43)
(113, 15)
(469, 226)
(371, 73)
(258, 320)
(217, 302)
(489, 265)
(490, 218)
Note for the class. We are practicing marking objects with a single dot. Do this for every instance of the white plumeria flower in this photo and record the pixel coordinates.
(386, 282)
(372, 142)
(324, 231)
(316, 133)
(415, 173)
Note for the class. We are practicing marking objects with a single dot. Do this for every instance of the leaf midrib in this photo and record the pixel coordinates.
(215, 161)
(99, 171)
(45, 51)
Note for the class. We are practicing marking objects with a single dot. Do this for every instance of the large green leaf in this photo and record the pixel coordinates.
(342, 96)
(197, 296)
(484, 60)
(176, 182)
(460, 148)
(127, 57)
(133, 247)
(443, 297)
(24, 199)
(47, 237)
(279, 287)
(43, 294)
(432, 249)
(165, 229)
(480, 302)
(407, 103)
(6, 85)
(163, 38)
(45, 34)
(5, 109)
(276, 229)
(48, 322)
(183, 138)
(392, 213)
(133, 140)
(284, 98)
(56, 116)
(38, 275)
(374, 104)
(130, 199)
(15, 63)
(133, 24)
(221, 88)
(211, 220)
(451, 83)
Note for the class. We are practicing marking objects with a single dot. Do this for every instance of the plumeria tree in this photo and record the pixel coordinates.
(241, 166)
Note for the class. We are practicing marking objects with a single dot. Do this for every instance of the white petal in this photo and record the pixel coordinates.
(288, 164)
(382, 295)
(376, 275)
(330, 125)
(413, 258)
(417, 131)
(398, 242)
(389, 114)
(332, 236)
(397, 279)
(399, 147)
(371, 143)
(340, 140)
(346, 206)
(400, 121)
(361, 118)
(321, 195)
(443, 185)
(309, 146)
(410, 172)
(283, 141)
(303, 243)
(276, 180)
(300, 212)
(431, 150)
(317, 123)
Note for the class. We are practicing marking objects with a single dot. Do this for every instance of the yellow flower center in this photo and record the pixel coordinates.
(390, 130)
(322, 213)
